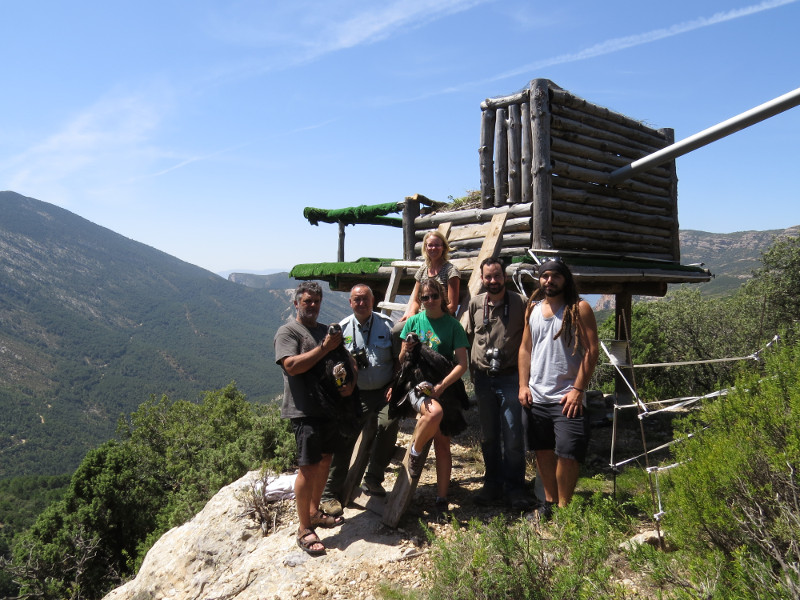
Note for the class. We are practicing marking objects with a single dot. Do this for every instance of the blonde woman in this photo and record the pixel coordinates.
(435, 251)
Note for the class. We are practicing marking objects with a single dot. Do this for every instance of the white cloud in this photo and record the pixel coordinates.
(111, 134)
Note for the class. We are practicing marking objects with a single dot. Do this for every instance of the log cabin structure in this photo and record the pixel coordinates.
(545, 159)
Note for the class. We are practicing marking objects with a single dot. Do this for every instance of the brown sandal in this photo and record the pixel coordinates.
(306, 539)
(323, 519)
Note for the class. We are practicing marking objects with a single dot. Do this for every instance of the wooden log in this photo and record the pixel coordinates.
(410, 215)
(603, 170)
(340, 251)
(486, 155)
(643, 137)
(399, 498)
(526, 179)
(562, 126)
(508, 239)
(564, 98)
(563, 168)
(626, 150)
(607, 160)
(646, 200)
(507, 252)
(594, 221)
(608, 241)
(676, 241)
(573, 228)
(505, 101)
(585, 206)
(500, 158)
(490, 247)
(464, 232)
(598, 201)
(514, 155)
(472, 215)
(541, 168)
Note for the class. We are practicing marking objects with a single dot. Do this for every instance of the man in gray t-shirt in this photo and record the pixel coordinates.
(299, 346)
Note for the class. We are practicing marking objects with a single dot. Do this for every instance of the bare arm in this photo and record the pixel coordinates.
(458, 370)
(573, 400)
(300, 363)
(453, 291)
(524, 366)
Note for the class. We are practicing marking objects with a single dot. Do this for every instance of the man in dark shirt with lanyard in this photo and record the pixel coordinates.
(496, 321)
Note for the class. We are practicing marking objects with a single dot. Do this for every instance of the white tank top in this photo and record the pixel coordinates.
(553, 365)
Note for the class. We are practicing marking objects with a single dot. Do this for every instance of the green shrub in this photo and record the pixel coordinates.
(516, 561)
(736, 490)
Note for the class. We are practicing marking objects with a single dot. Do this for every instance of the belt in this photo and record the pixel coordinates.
(500, 373)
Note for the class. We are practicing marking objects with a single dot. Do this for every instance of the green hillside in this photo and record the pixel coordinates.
(93, 323)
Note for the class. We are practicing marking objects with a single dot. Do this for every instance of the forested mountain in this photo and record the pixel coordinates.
(93, 323)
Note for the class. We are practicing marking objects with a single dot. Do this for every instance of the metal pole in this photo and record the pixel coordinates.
(712, 134)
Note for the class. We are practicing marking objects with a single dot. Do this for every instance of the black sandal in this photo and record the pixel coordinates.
(323, 519)
(308, 538)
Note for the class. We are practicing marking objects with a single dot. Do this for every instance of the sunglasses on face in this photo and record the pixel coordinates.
(427, 297)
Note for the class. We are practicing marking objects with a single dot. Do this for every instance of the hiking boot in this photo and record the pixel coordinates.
(372, 488)
(331, 506)
(545, 511)
(519, 501)
(415, 465)
(489, 494)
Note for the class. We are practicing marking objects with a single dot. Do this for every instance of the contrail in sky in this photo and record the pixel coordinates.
(622, 43)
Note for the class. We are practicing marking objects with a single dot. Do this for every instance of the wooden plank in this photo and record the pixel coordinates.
(490, 247)
(399, 499)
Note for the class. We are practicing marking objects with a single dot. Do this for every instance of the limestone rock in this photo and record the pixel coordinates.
(218, 554)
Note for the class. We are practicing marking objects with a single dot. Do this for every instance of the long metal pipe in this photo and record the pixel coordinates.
(712, 134)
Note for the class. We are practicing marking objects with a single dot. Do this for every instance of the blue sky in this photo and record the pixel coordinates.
(203, 128)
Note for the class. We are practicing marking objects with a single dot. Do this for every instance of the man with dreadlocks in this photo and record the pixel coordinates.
(557, 357)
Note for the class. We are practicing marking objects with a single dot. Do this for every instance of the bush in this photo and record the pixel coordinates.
(171, 458)
(515, 561)
(736, 491)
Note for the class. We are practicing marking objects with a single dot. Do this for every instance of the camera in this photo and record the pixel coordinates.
(360, 355)
(493, 356)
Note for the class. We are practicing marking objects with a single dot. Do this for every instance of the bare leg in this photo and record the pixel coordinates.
(444, 463)
(308, 489)
(567, 470)
(546, 466)
(428, 423)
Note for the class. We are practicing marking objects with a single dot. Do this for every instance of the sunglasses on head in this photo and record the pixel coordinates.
(427, 297)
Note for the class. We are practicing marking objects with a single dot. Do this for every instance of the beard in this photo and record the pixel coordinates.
(553, 290)
(306, 314)
(495, 288)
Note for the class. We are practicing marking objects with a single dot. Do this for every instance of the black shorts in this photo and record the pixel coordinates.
(314, 437)
(550, 429)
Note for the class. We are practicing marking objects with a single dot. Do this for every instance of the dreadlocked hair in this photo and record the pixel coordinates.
(571, 324)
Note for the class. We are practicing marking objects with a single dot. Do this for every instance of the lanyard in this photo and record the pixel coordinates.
(486, 309)
(369, 331)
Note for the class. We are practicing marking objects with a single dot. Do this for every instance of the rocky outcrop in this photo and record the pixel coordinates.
(220, 554)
